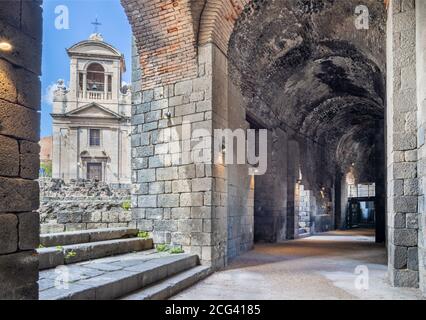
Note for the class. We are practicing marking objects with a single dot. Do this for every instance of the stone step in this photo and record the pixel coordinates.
(53, 257)
(112, 277)
(84, 236)
(171, 286)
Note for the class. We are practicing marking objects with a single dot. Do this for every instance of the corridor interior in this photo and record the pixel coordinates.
(346, 265)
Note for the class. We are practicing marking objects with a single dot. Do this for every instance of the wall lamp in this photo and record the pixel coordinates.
(5, 46)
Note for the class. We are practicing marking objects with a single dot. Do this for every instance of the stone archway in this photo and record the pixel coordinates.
(198, 92)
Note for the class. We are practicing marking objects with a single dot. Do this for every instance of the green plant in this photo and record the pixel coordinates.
(143, 234)
(46, 169)
(59, 248)
(126, 205)
(41, 246)
(176, 250)
(162, 248)
(70, 254)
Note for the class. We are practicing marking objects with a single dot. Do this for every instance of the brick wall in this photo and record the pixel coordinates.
(165, 39)
(20, 24)
(169, 32)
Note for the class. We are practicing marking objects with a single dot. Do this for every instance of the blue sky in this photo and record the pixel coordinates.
(115, 30)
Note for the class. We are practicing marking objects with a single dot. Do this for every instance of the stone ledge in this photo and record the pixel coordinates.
(53, 257)
(75, 237)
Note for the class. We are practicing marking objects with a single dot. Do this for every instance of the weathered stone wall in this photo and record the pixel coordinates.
(20, 25)
(82, 205)
(421, 121)
(402, 202)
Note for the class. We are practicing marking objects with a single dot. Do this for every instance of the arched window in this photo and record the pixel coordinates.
(95, 77)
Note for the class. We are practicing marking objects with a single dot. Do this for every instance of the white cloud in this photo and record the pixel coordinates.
(49, 93)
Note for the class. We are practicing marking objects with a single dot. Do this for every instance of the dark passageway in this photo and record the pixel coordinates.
(319, 89)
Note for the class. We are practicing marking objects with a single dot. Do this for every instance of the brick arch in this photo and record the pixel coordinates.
(218, 20)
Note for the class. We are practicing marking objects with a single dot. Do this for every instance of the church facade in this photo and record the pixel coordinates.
(91, 117)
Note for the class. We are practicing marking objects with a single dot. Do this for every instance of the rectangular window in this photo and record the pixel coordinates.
(94, 171)
(95, 137)
(362, 190)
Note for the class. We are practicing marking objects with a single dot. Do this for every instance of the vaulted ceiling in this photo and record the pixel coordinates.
(304, 65)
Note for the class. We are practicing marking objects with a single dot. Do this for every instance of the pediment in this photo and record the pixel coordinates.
(94, 110)
(89, 47)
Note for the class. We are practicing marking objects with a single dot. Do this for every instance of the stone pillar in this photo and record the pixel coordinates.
(402, 204)
(421, 120)
(380, 199)
(271, 192)
(292, 177)
(338, 199)
(84, 85)
(240, 184)
(105, 86)
(177, 199)
(20, 22)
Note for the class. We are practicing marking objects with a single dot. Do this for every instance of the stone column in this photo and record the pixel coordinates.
(20, 23)
(105, 86)
(402, 206)
(272, 192)
(84, 85)
(421, 120)
(292, 177)
(380, 200)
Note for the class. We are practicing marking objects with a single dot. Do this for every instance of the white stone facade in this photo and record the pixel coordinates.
(91, 118)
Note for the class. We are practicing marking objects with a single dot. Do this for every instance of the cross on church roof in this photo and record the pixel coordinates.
(96, 24)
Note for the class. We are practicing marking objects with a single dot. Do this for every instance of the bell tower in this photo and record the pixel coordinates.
(91, 117)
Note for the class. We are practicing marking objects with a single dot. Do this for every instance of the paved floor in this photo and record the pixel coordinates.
(334, 265)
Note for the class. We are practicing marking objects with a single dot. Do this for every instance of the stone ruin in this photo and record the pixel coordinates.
(82, 205)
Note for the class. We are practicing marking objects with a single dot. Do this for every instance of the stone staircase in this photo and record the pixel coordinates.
(109, 264)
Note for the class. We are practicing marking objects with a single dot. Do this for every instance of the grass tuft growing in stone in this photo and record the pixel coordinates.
(176, 250)
(126, 205)
(143, 234)
(162, 248)
(169, 249)
(70, 255)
